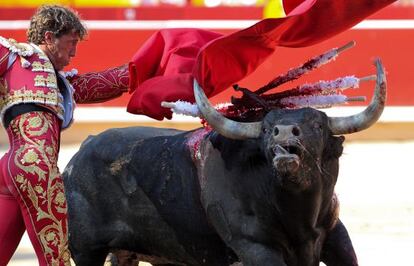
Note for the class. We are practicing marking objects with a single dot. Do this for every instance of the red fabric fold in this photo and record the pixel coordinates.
(311, 22)
(164, 68)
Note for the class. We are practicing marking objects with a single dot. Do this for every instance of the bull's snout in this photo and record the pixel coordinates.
(282, 133)
(285, 150)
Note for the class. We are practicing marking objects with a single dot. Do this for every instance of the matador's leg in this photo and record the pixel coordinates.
(35, 182)
(11, 220)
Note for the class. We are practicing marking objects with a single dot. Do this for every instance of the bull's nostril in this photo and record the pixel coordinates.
(295, 131)
(276, 131)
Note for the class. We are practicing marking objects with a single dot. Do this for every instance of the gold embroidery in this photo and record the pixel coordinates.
(37, 66)
(45, 194)
(49, 81)
(50, 98)
(49, 151)
(22, 49)
(50, 236)
(19, 178)
(28, 167)
(48, 65)
(22, 181)
(66, 256)
(30, 157)
(40, 81)
(40, 54)
(14, 43)
(104, 85)
(36, 126)
(28, 95)
(35, 122)
(39, 189)
(60, 199)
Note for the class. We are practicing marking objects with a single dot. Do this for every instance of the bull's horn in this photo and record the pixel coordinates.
(365, 119)
(226, 127)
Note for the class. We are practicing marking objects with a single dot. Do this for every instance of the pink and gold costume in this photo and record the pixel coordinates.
(31, 189)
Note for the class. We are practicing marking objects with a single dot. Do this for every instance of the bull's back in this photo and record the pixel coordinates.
(136, 174)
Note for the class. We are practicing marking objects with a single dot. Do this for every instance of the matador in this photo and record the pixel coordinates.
(36, 103)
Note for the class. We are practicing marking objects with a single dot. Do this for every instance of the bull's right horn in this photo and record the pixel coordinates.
(365, 119)
(226, 127)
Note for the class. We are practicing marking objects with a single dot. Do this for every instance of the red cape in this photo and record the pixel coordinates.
(164, 68)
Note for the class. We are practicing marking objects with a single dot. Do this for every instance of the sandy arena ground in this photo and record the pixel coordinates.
(375, 188)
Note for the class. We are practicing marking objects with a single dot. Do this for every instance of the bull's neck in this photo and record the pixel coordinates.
(301, 214)
(303, 207)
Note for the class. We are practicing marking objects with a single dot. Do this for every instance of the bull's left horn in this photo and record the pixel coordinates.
(365, 119)
(226, 127)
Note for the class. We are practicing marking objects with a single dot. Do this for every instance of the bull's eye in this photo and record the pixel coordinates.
(317, 126)
(295, 131)
(275, 131)
(264, 130)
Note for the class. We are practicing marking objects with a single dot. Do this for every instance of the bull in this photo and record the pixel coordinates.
(257, 193)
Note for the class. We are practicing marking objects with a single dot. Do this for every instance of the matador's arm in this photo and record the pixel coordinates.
(95, 87)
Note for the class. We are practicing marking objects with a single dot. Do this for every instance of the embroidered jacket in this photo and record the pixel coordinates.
(28, 76)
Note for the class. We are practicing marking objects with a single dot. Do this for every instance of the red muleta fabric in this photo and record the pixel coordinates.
(162, 69)
(165, 67)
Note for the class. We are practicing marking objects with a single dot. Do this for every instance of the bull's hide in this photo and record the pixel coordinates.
(198, 198)
(259, 193)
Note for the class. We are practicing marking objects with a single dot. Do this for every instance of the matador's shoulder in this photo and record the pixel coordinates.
(22, 49)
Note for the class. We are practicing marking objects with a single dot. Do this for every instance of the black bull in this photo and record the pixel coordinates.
(259, 193)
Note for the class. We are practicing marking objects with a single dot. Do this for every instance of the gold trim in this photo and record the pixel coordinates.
(22, 95)
(28, 95)
(38, 181)
(48, 65)
(22, 49)
(49, 81)
(37, 66)
(5, 56)
(40, 81)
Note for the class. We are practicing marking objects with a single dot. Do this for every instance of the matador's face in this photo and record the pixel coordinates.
(61, 49)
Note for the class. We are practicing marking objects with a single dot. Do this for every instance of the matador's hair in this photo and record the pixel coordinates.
(57, 19)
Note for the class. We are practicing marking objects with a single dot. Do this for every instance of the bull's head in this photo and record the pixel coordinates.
(298, 146)
(294, 138)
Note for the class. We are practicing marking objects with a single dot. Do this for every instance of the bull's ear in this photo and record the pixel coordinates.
(341, 139)
(334, 148)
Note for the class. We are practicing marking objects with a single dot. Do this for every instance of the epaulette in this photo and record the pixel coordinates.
(22, 49)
